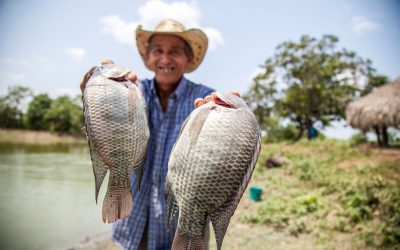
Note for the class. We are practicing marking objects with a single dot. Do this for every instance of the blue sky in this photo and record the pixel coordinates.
(49, 45)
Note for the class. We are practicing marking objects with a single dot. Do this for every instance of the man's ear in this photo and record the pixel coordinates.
(191, 59)
(146, 59)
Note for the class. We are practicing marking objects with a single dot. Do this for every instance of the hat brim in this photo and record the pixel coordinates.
(196, 39)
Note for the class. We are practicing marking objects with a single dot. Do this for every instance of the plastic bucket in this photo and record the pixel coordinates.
(255, 193)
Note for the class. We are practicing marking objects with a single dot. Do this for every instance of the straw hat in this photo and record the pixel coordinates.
(196, 39)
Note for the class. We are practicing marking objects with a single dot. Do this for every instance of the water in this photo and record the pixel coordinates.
(47, 197)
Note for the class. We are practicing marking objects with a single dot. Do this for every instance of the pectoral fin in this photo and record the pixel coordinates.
(99, 170)
(172, 205)
(220, 221)
(197, 123)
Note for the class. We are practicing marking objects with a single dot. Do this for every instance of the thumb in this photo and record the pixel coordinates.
(107, 61)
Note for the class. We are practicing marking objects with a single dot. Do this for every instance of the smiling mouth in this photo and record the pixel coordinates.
(166, 69)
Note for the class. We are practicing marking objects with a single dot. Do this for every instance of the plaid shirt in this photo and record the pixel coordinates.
(148, 203)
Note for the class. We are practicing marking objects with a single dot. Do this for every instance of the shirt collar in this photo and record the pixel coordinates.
(179, 91)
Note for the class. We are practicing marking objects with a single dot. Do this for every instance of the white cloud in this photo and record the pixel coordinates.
(215, 37)
(151, 13)
(76, 53)
(362, 24)
(123, 32)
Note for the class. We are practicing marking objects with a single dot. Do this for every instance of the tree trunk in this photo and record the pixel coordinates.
(298, 137)
(306, 125)
(378, 135)
(385, 140)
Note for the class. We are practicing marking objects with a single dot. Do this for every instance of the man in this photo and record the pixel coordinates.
(169, 51)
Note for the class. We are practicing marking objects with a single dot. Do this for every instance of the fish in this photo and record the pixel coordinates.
(117, 131)
(209, 168)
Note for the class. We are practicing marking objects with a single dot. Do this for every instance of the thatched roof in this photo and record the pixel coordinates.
(379, 108)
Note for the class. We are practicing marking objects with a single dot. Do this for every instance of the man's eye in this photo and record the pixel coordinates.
(157, 51)
(175, 52)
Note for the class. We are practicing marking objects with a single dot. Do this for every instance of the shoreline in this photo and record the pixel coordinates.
(32, 137)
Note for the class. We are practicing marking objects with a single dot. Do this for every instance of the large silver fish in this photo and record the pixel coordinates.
(117, 130)
(209, 168)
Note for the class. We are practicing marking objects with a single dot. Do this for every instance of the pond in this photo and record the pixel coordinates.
(47, 197)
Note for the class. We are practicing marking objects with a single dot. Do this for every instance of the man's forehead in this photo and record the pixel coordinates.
(164, 39)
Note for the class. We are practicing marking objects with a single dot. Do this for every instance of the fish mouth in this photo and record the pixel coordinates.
(220, 102)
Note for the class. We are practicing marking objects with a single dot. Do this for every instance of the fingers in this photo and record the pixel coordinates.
(131, 77)
(234, 92)
(107, 61)
(86, 78)
(90, 73)
(198, 102)
(128, 77)
(208, 98)
(212, 97)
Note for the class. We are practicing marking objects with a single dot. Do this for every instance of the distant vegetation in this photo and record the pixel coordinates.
(63, 114)
(304, 83)
(316, 82)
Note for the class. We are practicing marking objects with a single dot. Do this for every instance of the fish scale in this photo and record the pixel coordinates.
(209, 168)
(117, 131)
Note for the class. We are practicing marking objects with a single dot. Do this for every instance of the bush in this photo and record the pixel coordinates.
(357, 139)
(11, 115)
(394, 136)
(65, 115)
(276, 132)
(391, 218)
(36, 114)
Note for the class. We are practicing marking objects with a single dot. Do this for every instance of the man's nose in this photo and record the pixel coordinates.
(165, 58)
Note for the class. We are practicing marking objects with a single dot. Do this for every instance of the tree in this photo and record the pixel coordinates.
(320, 80)
(36, 114)
(374, 81)
(261, 96)
(11, 113)
(65, 115)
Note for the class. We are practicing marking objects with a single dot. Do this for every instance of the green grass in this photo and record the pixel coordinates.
(330, 187)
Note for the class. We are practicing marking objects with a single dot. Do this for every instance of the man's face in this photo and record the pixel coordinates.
(167, 58)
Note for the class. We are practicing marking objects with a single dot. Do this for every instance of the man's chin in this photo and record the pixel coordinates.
(167, 80)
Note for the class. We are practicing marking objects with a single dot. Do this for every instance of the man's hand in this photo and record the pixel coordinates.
(128, 77)
(200, 101)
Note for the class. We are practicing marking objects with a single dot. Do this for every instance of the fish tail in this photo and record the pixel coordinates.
(186, 241)
(117, 203)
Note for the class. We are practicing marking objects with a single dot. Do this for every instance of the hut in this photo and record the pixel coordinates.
(377, 111)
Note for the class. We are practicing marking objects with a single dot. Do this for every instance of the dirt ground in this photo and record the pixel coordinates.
(245, 236)
(249, 236)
